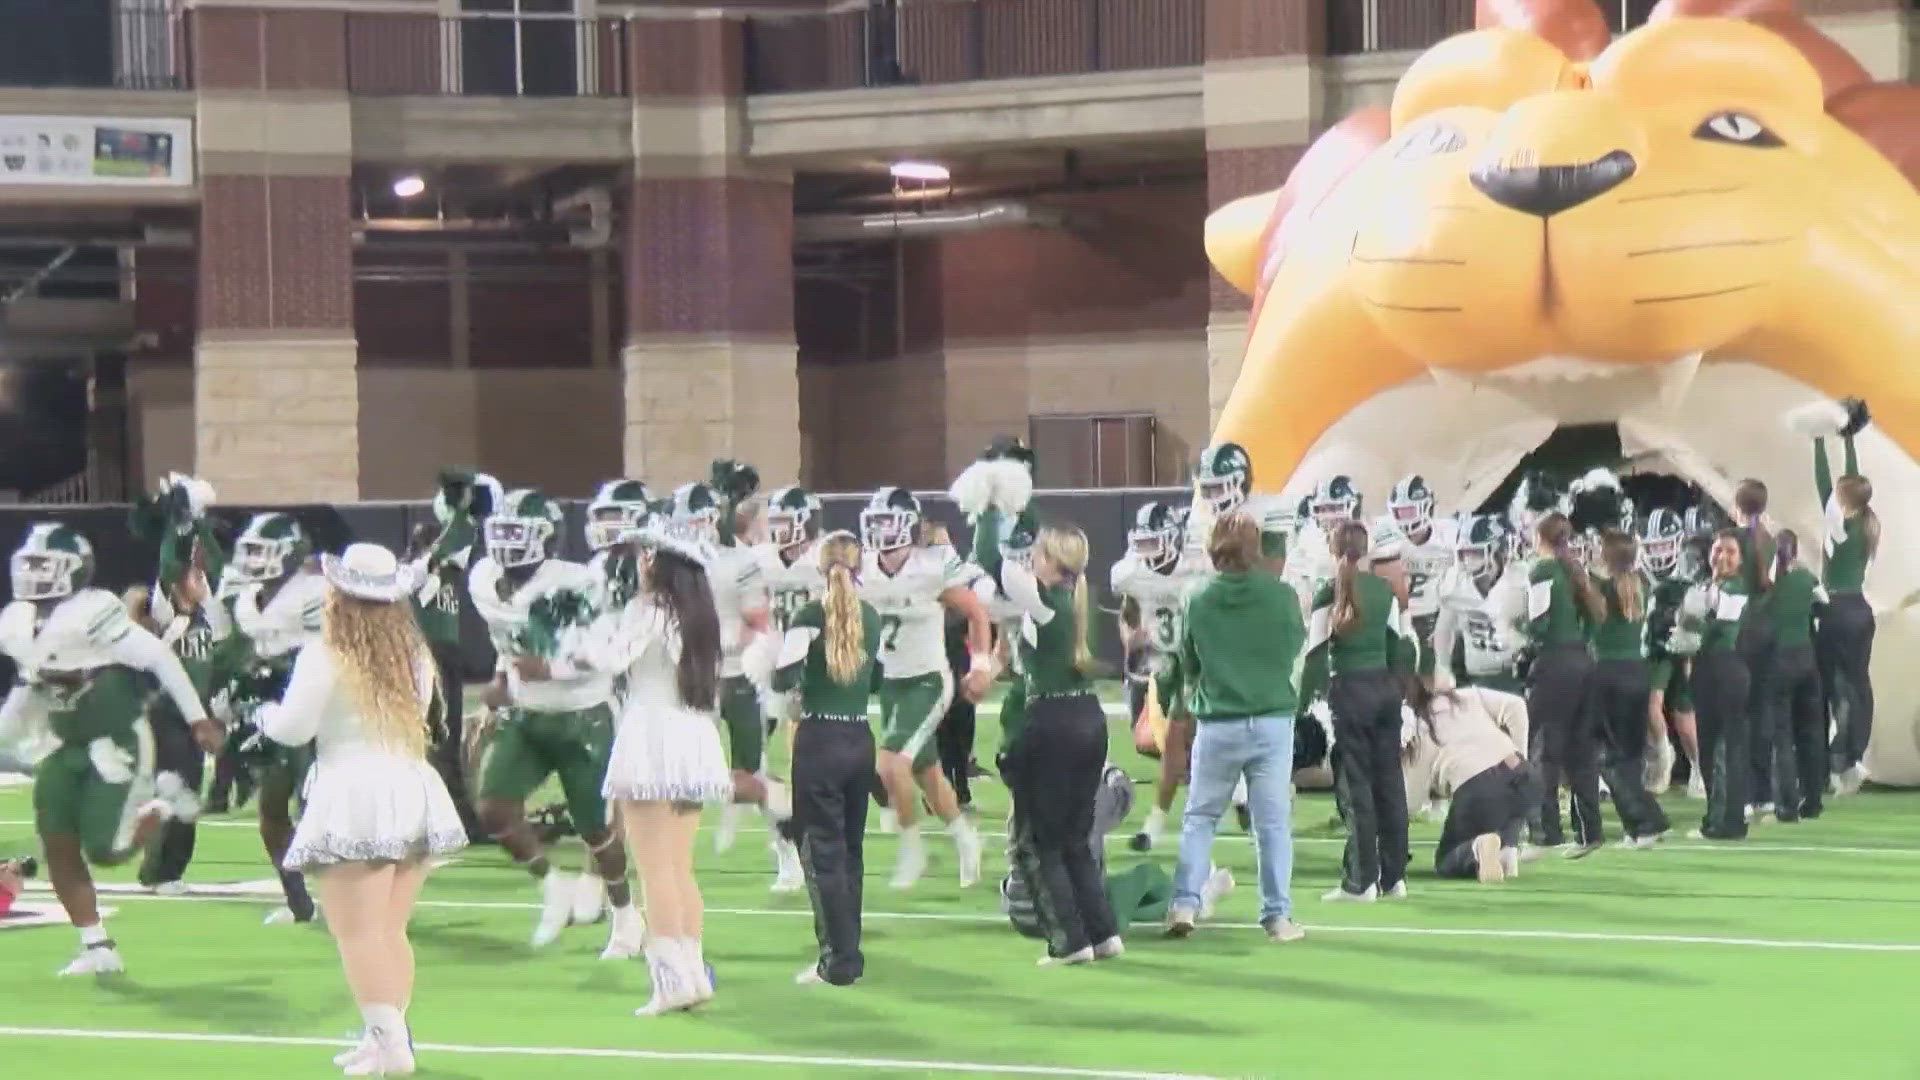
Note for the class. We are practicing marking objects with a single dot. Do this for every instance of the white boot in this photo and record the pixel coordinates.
(889, 821)
(365, 1048)
(556, 909)
(392, 1049)
(728, 829)
(967, 845)
(589, 898)
(673, 989)
(912, 860)
(628, 935)
(697, 971)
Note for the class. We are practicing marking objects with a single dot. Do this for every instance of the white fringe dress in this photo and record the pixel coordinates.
(365, 802)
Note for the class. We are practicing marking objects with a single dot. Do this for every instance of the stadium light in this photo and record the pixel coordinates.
(926, 171)
(408, 186)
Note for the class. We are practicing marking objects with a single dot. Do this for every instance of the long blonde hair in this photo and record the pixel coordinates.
(846, 631)
(1856, 497)
(1065, 546)
(378, 647)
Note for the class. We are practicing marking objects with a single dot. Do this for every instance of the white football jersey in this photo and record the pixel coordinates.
(1424, 561)
(1488, 637)
(76, 635)
(913, 633)
(289, 621)
(505, 618)
(790, 585)
(739, 586)
(1162, 596)
(1309, 563)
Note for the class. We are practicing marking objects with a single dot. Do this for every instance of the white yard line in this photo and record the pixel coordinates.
(984, 918)
(686, 1057)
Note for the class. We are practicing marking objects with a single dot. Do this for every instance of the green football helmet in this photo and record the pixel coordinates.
(272, 547)
(1224, 476)
(889, 519)
(791, 514)
(1482, 543)
(1411, 505)
(52, 563)
(1661, 541)
(1336, 500)
(523, 530)
(696, 514)
(1155, 536)
(619, 509)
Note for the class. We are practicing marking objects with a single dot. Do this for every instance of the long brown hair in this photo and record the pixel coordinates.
(1350, 549)
(679, 586)
(1855, 493)
(1065, 546)
(1556, 532)
(1750, 498)
(846, 632)
(1621, 554)
(379, 649)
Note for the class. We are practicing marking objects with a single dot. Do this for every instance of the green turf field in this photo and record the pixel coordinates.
(1796, 954)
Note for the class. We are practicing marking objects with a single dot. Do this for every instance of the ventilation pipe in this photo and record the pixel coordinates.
(905, 223)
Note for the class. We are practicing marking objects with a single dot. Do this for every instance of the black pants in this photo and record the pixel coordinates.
(1496, 800)
(1619, 693)
(955, 741)
(1562, 740)
(1756, 645)
(832, 768)
(1845, 650)
(1366, 734)
(232, 781)
(449, 751)
(1721, 689)
(174, 751)
(1053, 769)
(1796, 720)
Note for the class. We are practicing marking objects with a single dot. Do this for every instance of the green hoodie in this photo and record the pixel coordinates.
(1243, 634)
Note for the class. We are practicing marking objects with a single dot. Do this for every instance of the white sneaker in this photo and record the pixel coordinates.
(810, 976)
(173, 888)
(1282, 930)
(98, 960)
(628, 936)
(1850, 781)
(1339, 895)
(589, 899)
(1536, 852)
(1486, 853)
(912, 860)
(556, 909)
(889, 821)
(1072, 959)
(1398, 892)
(967, 846)
(790, 876)
(1218, 885)
(1111, 949)
(279, 916)
(728, 829)
(1510, 862)
(1180, 922)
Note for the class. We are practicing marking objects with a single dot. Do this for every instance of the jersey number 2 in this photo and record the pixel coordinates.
(889, 630)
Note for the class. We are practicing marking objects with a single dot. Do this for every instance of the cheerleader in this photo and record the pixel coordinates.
(667, 762)
(376, 811)
(1845, 641)
(1796, 720)
(828, 654)
(1722, 687)
(1562, 605)
(1621, 686)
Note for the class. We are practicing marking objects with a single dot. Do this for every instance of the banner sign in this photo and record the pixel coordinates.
(84, 150)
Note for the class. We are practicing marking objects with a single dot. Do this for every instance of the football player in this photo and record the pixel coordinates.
(79, 702)
(910, 585)
(550, 723)
(1157, 575)
(789, 562)
(278, 609)
(1663, 542)
(1411, 546)
(1481, 602)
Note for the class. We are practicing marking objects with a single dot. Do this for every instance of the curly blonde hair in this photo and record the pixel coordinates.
(379, 647)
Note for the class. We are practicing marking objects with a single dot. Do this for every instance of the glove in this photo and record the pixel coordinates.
(113, 762)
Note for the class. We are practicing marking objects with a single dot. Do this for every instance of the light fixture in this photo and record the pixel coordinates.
(408, 186)
(925, 171)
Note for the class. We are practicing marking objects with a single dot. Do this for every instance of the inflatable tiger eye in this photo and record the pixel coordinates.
(1688, 232)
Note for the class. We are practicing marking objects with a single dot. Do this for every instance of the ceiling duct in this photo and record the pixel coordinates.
(816, 228)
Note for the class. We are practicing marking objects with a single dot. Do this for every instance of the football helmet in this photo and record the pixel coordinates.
(1538, 495)
(889, 519)
(1335, 500)
(791, 514)
(1155, 536)
(272, 546)
(1661, 541)
(695, 514)
(52, 563)
(1411, 505)
(1704, 519)
(523, 530)
(1224, 476)
(619, 509)
(1480, 547)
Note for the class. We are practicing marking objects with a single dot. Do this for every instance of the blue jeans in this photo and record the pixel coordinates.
(1261, 749)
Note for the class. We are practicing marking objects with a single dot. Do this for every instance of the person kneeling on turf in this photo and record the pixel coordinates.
(1478, 734)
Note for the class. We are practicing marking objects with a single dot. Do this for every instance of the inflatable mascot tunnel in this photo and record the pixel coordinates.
(1688, 232)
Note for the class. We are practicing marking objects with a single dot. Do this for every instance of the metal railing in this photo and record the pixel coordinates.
(1360, 26)
(950, 41)
(134, 45)
(487, 54)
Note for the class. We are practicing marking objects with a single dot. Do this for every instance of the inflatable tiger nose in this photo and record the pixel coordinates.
(1688, 231)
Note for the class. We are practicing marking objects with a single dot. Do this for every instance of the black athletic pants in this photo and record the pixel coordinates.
(1722, 688)
(1619, 693)
(1495, 800)
(1796, 720)
(832, 768)
(174, 751)
(1053, 768)
(1563, 742)
(1366, 726)
(954, 738)
(1756, 644)
(449, 754)
(1845, 649)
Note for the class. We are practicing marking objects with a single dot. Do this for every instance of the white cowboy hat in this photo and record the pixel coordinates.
(369, 572)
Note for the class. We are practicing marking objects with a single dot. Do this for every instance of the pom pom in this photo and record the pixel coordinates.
(735, 481)
(1857, 417)
(1818, 419)
(1003, 483)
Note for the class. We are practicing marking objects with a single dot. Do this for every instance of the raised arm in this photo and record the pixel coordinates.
(1823, 472)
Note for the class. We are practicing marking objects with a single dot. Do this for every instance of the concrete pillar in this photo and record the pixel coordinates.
(1261, 86)
(276, 392)
(711, 368)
